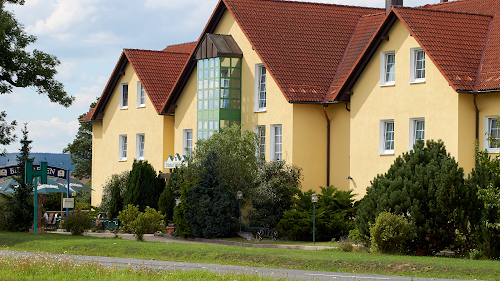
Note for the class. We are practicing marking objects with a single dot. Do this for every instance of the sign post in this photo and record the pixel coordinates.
(29, 174)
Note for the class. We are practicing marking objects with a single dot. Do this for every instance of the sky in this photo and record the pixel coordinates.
(88, 36)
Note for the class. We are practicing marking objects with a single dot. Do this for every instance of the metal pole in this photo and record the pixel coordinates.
(36, 207)
(314, 223)
(67, 191)
(239, 203)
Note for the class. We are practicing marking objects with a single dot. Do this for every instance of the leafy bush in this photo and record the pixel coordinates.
(211, 203)
(345, 245)
(277, 184)
(390, 233)
(141, 223)
(118, 179)
(334, 215)
(143, 186)
(166, 200)
(427, 185)
(183, 228)
(77, 223)
(6, 214)
(116, 200)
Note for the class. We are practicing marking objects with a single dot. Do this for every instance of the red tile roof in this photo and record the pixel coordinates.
(157, 71)
(187, 48)
(301, 44)
(87, 116)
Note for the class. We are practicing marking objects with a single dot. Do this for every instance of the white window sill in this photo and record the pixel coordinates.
(260, 110)
(388, 84)
(122, 160)
(123, 107)
(493, 150)
(418, 82)
(141, 106)
(387, 152)
(140, 158)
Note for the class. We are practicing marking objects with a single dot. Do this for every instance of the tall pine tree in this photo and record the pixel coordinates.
(23, 199)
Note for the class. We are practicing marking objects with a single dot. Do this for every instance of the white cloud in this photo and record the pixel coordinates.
(67, 70)
(101, 38)
(179, 4)
(86, 96)
(51, 136)
(102, 79)
(67, 13)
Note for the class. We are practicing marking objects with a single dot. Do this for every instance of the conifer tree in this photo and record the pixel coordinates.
(143, 186)
(23, 199)
(211, 203)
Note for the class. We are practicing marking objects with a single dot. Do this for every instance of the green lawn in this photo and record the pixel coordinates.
(324, 260)
(35, 268)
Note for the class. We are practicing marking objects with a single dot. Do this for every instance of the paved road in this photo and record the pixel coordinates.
(290, 274)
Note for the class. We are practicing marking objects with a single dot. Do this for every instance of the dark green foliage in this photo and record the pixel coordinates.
(390, 233)
(166, 201)
(20, 68)
(6, 214)
(77, 223)
(140, 223)
(183, 228)
(116, 201)
(486, 179)
(211, 203)
(334, 215)
(22, 203)
(143, 186)
(277, 184)
(121, 181)
(53, 202)
(81, 149)
(236, 158)
(6, 130)
(427, 186)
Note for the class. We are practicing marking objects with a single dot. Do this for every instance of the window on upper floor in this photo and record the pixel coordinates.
(261, 133)
(123, 96)
(386, 137)
(140, 144)
(260, 87)
(141, 95)
(276, 142)
(187, 141)
(387, 68)
(417, 130)
(492, 134)
(417, 62)
(122, 153)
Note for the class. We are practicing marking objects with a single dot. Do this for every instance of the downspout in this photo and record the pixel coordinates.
(477, 117)
(327, 146)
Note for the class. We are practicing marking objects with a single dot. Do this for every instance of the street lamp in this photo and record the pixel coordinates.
(314, 199)
(239, 196)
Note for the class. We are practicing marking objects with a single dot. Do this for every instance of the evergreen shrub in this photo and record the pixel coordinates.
(179, 217)
(390, 233)
(77, 223)
(335, 212)
(143, 186)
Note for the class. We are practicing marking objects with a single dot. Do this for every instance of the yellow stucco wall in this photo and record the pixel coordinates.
(304, 126)
(489, 106)
(131, 121)
(434, 100)
(339, 146)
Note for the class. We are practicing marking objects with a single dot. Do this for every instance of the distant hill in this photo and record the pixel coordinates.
(53, 159)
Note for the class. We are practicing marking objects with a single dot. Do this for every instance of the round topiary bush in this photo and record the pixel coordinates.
(390, 233)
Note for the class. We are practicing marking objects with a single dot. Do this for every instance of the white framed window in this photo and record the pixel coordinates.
(386, 137)
(276, 142)
(261, 133)
(260, 88)
(122, 148)
(141, 95)
(417, 62)
(417, 130)
(187, 142)
(140, 141)
(492, 130)
(123, 96)
(387, 68)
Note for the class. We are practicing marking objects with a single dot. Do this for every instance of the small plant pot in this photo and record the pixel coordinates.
(171, 229)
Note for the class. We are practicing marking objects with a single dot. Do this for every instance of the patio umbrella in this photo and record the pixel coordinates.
(74, 185)
(51, 186)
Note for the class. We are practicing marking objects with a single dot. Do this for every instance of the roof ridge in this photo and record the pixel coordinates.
(442, 11)
(181, 44)
(479, 69)
(317, 3)
(444, 3)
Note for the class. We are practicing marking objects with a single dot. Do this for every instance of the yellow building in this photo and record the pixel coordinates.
(339, 91)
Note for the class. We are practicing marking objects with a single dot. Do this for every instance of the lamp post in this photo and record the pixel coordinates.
(314, 199)
(239, 196)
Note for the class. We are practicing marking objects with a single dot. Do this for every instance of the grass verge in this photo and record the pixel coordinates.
(35, 268)
(325, 260)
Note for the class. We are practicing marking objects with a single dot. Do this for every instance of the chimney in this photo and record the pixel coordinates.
(389, 3)
(442, 1)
